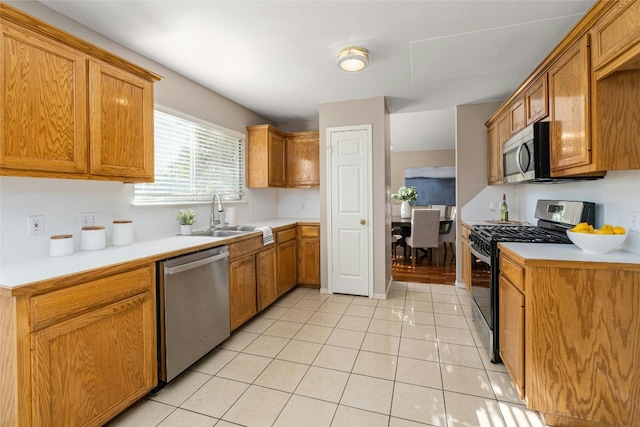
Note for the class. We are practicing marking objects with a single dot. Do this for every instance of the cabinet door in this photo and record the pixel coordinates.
(121, 123)
(569, 99)
(242, 290)
(309, 262)
(497, 133)
(617, 39)
(43, 104)
(87, 369)
(303, 160)
(277, 160)
(512, 332)
(266, 278)
(536, 100)
(287, 271)
(517, 115)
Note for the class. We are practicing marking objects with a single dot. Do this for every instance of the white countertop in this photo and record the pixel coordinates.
(37, 269)
(569, 252)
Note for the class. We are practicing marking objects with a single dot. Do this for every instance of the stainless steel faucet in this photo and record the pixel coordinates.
(215, 221)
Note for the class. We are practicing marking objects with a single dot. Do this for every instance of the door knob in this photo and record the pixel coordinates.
(363, 221)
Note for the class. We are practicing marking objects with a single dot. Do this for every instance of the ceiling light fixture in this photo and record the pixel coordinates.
(353, 59)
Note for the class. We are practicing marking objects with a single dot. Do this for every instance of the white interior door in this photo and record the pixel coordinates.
(349, 209)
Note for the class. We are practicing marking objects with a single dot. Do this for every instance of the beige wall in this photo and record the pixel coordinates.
(417, 159)
(371, 111)
(471, 160)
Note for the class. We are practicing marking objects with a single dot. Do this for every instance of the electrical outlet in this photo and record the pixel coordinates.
(89, 219)
(635, 221)
(35, 225)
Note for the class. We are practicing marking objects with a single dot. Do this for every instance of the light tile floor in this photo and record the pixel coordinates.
(313, 359)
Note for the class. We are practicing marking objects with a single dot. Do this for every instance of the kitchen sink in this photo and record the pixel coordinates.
(222, 232)
(242, 228)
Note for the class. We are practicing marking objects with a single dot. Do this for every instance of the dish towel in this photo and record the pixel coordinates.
(267, 235)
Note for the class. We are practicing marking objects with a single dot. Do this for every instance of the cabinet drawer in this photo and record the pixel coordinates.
(54, 306)
(309, 231)
(285, 235)
(512, 271)
(245, 247)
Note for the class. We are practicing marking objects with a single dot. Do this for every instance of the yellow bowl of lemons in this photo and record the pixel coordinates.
(598, 241)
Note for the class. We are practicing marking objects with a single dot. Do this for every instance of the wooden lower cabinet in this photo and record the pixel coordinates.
(287, 272)
(242, 290)
(79, 354)
(581, 339)
(266, 278)
(309, 255)
(512, 332)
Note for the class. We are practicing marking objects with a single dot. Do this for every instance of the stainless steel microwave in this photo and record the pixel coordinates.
(526, 155)
(526, 158)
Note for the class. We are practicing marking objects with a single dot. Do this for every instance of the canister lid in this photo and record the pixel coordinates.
(62, 236)
(122, 221)
(94, 227)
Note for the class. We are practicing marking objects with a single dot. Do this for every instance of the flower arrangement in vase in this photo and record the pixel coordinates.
(186, 218)
(405, 195)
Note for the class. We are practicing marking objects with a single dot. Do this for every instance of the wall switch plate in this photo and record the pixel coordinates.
(89, 219)
(635, 221)
(35, 225)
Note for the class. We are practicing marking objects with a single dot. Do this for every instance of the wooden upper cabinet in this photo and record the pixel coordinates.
(266, 157)
(121, 126)
(43, 104)
(616, 39)
(517, 115)
(278, 159)
(303, 159)
(536, 100)
(497, 133)
(67, 114)
(569, 103)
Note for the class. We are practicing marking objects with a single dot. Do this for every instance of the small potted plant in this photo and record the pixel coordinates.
(405, 195)
(186, 218)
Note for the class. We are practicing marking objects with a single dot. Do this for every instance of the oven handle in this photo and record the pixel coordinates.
(479, 255)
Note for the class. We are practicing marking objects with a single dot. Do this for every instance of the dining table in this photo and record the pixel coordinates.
(404, 226)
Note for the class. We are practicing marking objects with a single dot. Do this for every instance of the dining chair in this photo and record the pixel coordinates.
(448, 231)
(425, 228)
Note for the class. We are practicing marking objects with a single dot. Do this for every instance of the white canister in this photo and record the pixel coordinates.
(61, 245)
(93, 238)
(122, 232)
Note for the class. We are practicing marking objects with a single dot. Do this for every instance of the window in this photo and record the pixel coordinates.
(193, 160)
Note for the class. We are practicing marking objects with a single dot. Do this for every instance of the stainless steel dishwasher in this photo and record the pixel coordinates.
(193, 308)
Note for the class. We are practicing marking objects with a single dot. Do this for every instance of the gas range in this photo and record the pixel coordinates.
(484, 236)
(554, 218)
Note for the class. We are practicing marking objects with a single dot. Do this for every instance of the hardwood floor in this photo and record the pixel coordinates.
(437, 267)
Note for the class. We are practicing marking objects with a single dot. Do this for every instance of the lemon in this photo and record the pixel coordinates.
(591, 230)
(608, 226)
(583, 227)
(619, 230)
(605, 231)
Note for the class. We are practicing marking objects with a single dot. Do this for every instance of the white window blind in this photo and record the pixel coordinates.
(193, 160)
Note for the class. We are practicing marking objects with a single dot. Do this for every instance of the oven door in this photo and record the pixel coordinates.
(481, 289)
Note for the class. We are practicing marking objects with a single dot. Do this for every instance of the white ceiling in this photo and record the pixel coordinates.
(278, 57)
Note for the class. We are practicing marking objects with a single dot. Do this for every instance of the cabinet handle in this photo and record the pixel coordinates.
(363, 221)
